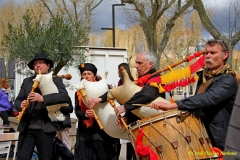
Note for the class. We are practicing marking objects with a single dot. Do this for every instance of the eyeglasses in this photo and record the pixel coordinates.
(38, 62)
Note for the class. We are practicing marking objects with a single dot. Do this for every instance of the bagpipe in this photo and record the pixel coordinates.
(172, 134)
(45, 83)
(175, 78)
(123, 93)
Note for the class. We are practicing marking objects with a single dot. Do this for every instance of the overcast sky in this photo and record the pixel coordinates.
(103, 14)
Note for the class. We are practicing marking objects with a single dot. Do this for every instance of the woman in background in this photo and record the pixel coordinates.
(6, 100)
(130, 153)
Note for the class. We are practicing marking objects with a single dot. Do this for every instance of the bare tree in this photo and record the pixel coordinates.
(149, 12)
(76, 10)
(184, 36)
(230, 31)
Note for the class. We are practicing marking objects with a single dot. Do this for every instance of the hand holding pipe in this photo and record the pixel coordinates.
(34, 86)
(83, 93)
(120, 117)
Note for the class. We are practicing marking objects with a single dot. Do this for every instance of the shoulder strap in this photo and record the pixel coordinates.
(203, 86)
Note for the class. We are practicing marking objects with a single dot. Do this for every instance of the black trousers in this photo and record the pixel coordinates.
(35, 137)
(91, 150)
(130, 152)
(4, 116)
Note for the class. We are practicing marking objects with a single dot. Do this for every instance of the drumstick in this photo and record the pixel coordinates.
(120, 117)
(83, 93)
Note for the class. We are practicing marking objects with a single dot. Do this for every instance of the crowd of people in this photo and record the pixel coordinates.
(213, 102)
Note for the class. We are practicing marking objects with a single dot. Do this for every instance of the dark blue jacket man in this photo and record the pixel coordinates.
(215, 94)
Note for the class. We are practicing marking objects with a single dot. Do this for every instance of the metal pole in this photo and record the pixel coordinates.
(113, 21)
(113, 25)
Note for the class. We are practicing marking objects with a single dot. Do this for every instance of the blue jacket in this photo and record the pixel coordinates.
(5, 105)
(215, 105)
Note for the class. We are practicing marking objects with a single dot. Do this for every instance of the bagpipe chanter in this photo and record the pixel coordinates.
(47, 86)
(104, 111)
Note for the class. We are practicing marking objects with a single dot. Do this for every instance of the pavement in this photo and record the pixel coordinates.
(123, 152)
(121, 157)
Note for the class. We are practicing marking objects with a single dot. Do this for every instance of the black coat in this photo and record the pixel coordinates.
(214, 105)
(55, 98)
(146, 95)
(66, 110)
(83, 133)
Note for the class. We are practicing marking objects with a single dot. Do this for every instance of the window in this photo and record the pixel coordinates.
(179, 91)
(191, 90)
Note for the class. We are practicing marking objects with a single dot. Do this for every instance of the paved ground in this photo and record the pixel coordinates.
(122, 153)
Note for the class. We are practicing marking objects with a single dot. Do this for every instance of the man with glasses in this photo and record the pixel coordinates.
(35, 127)
(215, 93)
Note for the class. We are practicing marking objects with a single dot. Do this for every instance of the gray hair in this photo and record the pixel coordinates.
(150, 57)
(224, 45)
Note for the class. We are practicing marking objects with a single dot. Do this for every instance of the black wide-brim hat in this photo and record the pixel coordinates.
(88, 67)
(40, 56)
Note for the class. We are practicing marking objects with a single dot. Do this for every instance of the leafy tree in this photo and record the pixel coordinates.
(56, 38)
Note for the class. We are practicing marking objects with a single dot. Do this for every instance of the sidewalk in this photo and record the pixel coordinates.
(121, 157)
(123, 152)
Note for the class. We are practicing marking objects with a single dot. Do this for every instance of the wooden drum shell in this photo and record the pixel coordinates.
(185, 140)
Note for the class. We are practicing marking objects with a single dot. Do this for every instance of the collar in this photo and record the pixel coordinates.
(149, 72)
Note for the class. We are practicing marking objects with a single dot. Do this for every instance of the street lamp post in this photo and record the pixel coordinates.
(113, 23)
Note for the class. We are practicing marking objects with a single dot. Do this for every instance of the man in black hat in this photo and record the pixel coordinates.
(35, 127)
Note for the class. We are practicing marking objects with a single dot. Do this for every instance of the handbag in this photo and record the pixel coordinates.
(61, 151)
(12, 112)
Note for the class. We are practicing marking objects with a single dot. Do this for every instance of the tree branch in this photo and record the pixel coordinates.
(45, 4)
(198, 5)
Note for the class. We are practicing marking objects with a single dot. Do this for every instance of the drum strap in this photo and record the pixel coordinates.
(204, 85)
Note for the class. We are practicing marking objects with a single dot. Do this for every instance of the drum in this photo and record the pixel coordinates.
(171, 135)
